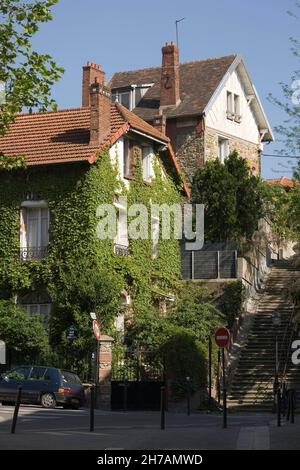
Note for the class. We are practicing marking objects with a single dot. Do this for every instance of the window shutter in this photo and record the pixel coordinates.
(135, 152)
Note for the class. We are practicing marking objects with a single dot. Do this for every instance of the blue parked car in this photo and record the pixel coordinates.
(43, 385)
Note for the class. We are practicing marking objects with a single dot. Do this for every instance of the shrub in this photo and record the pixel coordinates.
(184, 357)
(25, 337)
(231, 301)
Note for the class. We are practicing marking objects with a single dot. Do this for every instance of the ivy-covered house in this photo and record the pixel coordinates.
(56, 169)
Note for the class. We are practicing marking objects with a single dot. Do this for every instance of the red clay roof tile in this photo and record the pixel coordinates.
(63, 136)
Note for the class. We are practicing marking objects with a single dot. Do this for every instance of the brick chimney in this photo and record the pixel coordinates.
(159, 122)
(90, 73)
(100, 103)
(169, 84)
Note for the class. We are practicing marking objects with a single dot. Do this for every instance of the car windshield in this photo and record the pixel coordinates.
(70, 378)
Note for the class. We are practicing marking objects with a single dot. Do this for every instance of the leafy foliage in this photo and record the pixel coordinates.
(11, 163)
(283, 210)
(25, 337)
(231, 301)
(231, 197)
(183, 333)
(184, 357)
(81, 273)
(27, 74)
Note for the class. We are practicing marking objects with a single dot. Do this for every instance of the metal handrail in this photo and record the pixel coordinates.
(288, 349)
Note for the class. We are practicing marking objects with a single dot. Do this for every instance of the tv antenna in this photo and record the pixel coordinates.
(176, 24)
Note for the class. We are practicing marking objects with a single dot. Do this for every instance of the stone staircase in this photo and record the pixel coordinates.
(251, 387)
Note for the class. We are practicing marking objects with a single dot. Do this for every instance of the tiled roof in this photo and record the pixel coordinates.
(63, 136)
(198, 81)
(139, 124)
(284, 181)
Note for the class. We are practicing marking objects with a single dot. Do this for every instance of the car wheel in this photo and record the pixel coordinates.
(48, 400)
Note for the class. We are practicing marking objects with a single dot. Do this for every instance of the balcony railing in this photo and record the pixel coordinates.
(121, 250)
(36, 252)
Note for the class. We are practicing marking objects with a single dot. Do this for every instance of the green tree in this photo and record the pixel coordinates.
(25, 337)
(184, 357)
(282, 208)
(231, 196)
(214, 187)
(296, 173)
(26, 75)
(195, 311)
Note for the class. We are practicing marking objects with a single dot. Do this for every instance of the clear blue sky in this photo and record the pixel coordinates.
(124, 35)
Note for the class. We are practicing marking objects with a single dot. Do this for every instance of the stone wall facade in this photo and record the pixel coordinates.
(190, 151)
(196, 145)
(248, 150)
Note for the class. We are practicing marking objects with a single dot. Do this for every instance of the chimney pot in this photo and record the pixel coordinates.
(91, 72)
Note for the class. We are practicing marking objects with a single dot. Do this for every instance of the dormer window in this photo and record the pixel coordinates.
(123, 97)
(131, 96)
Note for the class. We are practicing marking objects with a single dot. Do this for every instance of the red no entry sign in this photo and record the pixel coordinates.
(96, 329)
(222, 337)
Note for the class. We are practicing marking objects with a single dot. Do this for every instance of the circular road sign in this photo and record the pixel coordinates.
(222, 337)
(96, 329)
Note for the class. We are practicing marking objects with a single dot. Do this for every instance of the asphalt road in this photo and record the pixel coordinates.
(38, 428)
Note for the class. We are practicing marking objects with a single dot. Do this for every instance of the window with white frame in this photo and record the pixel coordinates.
(148, 172)
(130, 98)
(121, 240)
(123, 97)
(236, 104)
(223, 149)
(229, 111)
(155, 236)
(34, 229)
(237, 109)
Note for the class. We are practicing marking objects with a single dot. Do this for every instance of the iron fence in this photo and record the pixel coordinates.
(209, 263)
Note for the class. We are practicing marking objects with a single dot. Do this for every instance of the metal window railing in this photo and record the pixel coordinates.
(121, 250)
(37, 252)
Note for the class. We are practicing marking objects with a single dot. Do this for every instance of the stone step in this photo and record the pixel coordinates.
(251, 388)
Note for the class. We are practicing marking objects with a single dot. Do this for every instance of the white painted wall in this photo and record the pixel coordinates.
(217, 119)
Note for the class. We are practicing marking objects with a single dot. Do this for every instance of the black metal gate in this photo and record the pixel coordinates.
(137, 375)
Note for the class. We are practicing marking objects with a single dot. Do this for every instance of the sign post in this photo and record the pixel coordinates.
(222, 337)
